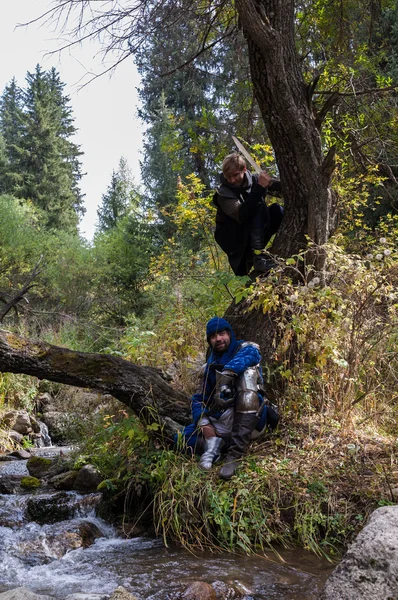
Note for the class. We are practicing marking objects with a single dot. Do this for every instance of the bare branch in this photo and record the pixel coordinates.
(20, 295)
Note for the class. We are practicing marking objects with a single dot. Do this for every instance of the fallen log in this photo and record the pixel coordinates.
(143, 389)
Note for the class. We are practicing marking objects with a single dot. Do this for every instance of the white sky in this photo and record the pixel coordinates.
(104, 111)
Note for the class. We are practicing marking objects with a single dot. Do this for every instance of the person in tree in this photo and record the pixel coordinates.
(229, 408)
(244, 223)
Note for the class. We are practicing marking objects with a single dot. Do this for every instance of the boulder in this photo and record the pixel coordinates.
(51, 508)
(23, 593)
(10, 484)
(59, 425)
(18, 420)
(64, 481)
(44, 402)
(34, 424)
(45, 468)
(39, 467)
(369, 569)
(30, 483)
(88, 479)
(199, 590)
(121, 593)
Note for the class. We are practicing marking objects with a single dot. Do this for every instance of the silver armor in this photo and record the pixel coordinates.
(247, 387)
(224, 395)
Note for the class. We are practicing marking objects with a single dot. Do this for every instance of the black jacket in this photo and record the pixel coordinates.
(236, 207)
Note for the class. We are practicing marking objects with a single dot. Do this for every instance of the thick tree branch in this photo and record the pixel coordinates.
(143, 389)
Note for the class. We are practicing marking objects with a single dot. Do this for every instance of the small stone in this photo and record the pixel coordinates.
(121, 593)
(21, 454)
(200, 590)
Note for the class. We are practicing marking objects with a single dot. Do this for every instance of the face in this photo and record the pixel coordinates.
(220, 341)
(237, 177)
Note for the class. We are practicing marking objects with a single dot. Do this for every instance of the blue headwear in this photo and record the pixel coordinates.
(216, 324)
(219, 324)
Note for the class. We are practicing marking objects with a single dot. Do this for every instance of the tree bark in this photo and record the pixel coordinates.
(282, 95)
(143, 389)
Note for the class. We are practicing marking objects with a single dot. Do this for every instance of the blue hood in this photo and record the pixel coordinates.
(219, 324)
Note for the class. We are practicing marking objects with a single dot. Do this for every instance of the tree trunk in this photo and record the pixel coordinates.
(143, 389)
(268, 26)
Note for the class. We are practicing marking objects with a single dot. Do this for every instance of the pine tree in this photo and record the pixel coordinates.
(117, 198)
(43, 163)
(12, 130)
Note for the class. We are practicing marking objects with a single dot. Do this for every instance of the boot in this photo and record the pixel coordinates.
(262, 264)
(244, 424)
(213, 447)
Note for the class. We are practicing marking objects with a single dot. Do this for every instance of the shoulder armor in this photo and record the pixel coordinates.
(245, 344)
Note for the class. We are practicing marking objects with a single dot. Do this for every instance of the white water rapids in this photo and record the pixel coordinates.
(37, 557)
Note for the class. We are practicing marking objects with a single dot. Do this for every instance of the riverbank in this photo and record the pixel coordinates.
(312, 484)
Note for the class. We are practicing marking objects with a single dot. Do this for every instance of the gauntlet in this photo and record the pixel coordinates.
(224, 392)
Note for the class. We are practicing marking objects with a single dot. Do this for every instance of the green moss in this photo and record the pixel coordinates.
(39, 460)
(19, 343)
(30, 482)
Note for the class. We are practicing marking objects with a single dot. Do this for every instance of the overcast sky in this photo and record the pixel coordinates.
(104, 111)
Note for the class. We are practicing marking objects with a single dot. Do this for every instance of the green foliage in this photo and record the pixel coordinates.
(334, 340)
(18, 391)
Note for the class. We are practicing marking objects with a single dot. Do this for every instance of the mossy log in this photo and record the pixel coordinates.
(143, 389)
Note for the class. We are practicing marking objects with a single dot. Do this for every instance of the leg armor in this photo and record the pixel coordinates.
(247, 400)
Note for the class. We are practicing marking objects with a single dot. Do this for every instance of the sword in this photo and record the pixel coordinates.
(247, 156)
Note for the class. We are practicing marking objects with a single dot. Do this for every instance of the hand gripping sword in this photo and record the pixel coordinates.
(247, 156)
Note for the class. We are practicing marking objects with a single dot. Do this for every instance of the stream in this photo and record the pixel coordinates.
(41, 557)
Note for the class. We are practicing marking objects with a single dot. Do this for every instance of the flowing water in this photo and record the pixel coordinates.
(42, 558)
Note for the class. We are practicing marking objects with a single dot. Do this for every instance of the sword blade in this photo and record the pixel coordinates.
(247, 156)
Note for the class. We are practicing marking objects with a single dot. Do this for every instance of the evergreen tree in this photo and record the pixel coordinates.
(43, 163)
(117, 198)
(12, 130)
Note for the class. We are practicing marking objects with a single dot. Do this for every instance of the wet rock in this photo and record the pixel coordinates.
(44, 549)
(121, 593)
(23, 593)
(89, 532)
(50, 509)
(369, 569)
(21, 454)
(7, 458)
(38, 466)
(58, 507)
(229, 592)
(88, 479)
(45, 468)
(9, 484)
(64, 481)
(199, 590)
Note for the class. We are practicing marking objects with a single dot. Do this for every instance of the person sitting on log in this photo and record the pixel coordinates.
(229, 408)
